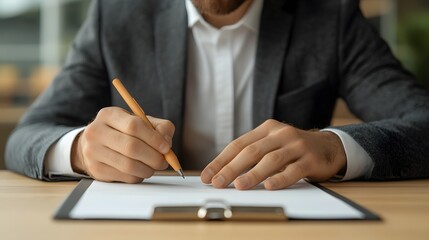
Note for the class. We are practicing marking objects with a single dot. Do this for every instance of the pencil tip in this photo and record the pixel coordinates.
(180, 172)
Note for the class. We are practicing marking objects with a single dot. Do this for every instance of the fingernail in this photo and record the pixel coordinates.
(243, 182)
(164, 148)
(271, 183)
(209, 173)
(218, 181)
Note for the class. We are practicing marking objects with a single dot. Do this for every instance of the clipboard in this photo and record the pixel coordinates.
(213, 209)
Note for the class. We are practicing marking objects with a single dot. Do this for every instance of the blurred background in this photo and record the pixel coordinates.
(35, 36)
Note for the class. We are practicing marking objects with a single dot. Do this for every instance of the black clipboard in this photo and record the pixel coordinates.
(214, 209)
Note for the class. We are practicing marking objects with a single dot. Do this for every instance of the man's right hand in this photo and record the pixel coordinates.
(118, 146)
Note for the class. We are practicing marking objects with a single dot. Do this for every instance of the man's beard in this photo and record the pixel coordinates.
(217, 7)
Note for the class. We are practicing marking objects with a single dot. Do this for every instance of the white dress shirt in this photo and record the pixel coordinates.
(218, 104)
(219, 83)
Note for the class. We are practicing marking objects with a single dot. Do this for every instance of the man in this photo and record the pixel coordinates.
(211, 71)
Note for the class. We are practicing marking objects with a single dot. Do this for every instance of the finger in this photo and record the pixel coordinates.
(292, 174)
(165, 127)
(124, 164)
(271, 163)
(131, 147)
(132, 125)
(248, 157)
(226, 156)
(105, 173)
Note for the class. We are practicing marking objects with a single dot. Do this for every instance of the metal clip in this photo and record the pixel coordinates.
(215, 210)
(219, 210)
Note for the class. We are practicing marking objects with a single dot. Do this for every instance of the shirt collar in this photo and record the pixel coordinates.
(251, 19)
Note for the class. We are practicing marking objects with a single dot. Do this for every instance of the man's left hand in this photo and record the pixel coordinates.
(278, 155)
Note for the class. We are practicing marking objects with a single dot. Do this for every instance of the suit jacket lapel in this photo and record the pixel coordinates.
(274, 33)
(170, 51)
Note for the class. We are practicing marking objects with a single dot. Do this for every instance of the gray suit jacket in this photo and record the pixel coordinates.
(310, 52)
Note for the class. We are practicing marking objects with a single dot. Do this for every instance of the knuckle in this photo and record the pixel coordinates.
(101, 113)
(283, 179)
(301, 144)
(104, 113)
(215, 166)
(274, 157)
(299, 168)
(288, 130)
(270, 123)
(170, 126)
(237, 145)
(133, 124)
(254, 176)
(130, 148)
(252, 150)
(229, 171)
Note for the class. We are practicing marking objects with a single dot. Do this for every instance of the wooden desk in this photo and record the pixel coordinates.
(26, 208)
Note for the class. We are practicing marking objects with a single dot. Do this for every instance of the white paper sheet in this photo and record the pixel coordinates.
(137, 201)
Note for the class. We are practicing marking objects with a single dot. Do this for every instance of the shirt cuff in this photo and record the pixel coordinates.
(359, 163)
(57, 161)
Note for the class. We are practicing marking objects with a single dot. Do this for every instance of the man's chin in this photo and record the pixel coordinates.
(217, 7)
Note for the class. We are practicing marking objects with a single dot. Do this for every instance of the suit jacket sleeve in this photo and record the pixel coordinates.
(62, 107)
(385, 96)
